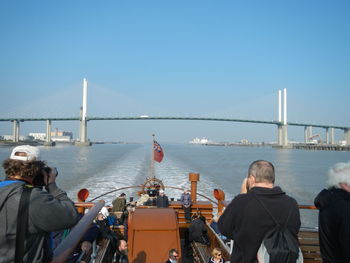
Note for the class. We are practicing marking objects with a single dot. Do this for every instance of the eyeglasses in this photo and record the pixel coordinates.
(175, 256)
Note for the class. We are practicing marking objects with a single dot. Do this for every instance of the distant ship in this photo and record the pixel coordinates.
(200, 141)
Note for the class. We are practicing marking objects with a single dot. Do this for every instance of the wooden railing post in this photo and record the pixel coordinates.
(220, 196)
(194, 178)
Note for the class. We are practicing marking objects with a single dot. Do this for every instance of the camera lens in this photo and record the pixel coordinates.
(55, 171)
(47, 169)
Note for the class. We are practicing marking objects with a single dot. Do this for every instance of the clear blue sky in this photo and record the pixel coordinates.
(183, 58)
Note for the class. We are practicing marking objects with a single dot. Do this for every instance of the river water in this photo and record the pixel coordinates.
(104, 167)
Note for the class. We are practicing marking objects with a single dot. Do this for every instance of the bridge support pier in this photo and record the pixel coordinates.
(347, 137)
(327, 135)
(307, 133)
(282, 131)
(310, 132)
(285, 135)
(332, 135)
(48, 141)
(83, 141)
(15, 131)
(279, 135)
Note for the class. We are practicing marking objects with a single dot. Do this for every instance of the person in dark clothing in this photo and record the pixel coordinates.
(162, 199)
(246, 221)
(49, 210)
(121, 254)
(198, 231)
(334, 215)
(85, 244)
(186, 203)
(106, 233)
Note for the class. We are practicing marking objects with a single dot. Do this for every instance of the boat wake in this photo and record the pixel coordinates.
(133, 168)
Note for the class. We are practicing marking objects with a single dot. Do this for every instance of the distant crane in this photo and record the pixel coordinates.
(311, 139)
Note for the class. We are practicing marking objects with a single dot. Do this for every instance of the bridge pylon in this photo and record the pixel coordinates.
(282, 127)
(83, 141)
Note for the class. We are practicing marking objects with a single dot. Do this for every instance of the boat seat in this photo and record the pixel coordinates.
(310, 246)
(101, 252)
(201, 252)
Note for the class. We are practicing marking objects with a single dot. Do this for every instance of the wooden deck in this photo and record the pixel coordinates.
(310, 246)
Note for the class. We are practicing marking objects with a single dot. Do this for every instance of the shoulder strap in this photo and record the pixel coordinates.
(262, 204)
(274, 219)
(22, 223)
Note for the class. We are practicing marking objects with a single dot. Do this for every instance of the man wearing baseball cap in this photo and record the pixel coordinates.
(31, 207)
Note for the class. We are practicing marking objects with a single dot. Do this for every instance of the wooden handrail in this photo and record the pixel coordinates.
(312, 207)
(64, 250)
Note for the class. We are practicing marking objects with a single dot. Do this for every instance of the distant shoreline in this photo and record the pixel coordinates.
(235, 144)
(10, 143)
(39, 143)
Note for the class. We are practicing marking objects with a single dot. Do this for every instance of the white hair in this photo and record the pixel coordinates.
(339, 173)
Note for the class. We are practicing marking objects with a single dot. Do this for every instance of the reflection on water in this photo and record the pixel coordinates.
(102, 168)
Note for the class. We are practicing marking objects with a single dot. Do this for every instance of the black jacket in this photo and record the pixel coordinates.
(196, 230)
(334, 225)
(121, 258)
(48, 212)
(162, 201)
(246, 221)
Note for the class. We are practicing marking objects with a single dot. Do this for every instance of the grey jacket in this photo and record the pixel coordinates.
(49, 211)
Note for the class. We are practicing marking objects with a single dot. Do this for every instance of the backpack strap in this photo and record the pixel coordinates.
(290, 212)
(274, 219)
(22, 223)
(262, 204)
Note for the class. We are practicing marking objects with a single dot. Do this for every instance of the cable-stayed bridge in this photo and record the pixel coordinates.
(282, 123)
(325, 126)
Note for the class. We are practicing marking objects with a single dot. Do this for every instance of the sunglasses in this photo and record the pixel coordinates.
(175, 256)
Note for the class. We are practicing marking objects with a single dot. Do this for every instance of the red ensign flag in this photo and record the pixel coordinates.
(158, 152)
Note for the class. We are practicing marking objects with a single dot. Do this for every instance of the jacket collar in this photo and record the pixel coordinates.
(267, 191)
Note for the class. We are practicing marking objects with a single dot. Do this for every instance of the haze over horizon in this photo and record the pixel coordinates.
(222, 59)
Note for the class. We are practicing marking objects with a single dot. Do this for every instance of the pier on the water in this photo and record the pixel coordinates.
(321, 147)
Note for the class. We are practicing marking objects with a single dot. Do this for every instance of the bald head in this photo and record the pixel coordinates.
(262, 171)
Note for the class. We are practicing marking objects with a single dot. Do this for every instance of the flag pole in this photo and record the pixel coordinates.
(152, 158)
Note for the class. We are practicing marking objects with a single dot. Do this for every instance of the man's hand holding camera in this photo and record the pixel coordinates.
(245, 186)
(50, 174)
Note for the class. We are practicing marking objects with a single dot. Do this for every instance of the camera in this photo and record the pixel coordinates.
(50, 170)
(39, 179)
(47, 169)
